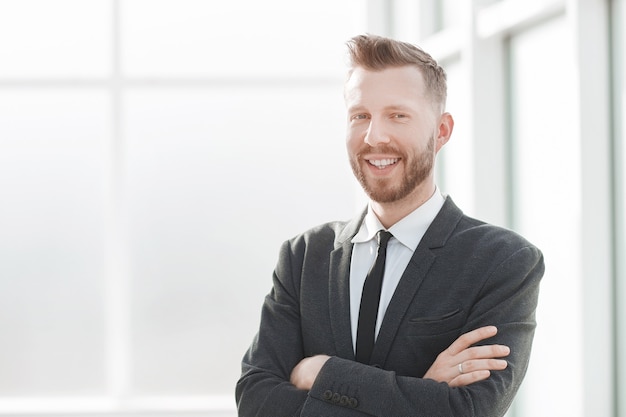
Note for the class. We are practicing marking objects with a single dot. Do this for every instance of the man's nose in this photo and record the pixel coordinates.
(375, 134)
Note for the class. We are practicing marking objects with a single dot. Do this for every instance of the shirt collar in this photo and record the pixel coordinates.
(409, 230)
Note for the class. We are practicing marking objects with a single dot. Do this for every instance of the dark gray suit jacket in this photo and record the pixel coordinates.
(463, 275)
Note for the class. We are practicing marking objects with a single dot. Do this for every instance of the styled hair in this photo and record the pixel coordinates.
(376, 53)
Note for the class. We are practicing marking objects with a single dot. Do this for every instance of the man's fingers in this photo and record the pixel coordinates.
(468, 339)
(467, 379)
(482, 365)
(475, 370)
(484, 352)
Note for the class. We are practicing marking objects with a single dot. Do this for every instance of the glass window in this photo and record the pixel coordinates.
(547, 206)
(52, 176)
(217, 179)
(274, 38)
(216, 167)
(619, 46)
(51, 39)
(451, 14)
(456, 158)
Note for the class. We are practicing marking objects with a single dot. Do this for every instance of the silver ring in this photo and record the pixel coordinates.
(461, 368)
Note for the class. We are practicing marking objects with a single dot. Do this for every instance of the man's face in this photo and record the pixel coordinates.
(392, 132)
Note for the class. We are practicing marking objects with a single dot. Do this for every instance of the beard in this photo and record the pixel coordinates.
(418, 167)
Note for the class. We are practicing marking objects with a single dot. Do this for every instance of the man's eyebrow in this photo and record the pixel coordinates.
(394, 107)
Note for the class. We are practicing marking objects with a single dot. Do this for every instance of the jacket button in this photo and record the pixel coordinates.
(328, 394)
(353, 402)
(336, 398)
(344, 400)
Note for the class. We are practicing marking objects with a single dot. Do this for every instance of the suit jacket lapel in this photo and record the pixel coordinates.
(339, 289)
(436, 236)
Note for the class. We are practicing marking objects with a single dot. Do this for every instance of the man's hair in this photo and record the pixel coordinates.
(376, 53)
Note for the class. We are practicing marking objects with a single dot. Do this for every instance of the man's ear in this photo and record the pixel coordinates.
(444, 130)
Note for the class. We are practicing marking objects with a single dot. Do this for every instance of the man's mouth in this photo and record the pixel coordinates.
(383, 163)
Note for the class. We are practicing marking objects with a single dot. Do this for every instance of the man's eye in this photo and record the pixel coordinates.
(399, 116)
(359, 117)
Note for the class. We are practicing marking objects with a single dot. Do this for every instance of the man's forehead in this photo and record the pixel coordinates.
(404, 71)
(399, 82)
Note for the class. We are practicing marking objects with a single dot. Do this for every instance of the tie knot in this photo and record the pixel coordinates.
(383, 237)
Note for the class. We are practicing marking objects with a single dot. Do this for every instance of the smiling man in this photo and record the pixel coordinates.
(412, 308)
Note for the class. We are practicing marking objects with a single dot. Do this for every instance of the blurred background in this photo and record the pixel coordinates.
(154, 154)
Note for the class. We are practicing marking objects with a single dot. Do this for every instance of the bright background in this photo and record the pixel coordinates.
(154, 154)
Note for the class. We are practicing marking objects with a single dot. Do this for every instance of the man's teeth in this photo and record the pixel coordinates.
(383, 163)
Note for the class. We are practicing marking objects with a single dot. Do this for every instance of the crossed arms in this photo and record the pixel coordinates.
(459, 365)
(293, 369)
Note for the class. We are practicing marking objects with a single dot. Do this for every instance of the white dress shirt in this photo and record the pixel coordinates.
(407, 234)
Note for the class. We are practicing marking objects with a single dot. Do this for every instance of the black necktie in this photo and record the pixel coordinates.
(368, 312)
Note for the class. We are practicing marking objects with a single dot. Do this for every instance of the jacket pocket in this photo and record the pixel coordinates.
(435, 325)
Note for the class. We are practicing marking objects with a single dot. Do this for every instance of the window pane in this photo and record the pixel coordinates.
(61, 38)
(619, 61)
(240, 37)
(451, 14)
(217, 179)
(547, 209)
(457, 157)
(51, 244)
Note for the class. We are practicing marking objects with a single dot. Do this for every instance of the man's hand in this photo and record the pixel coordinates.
(304, 374)
(460, 365)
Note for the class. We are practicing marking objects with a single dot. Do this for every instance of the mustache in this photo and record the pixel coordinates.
(365, 148)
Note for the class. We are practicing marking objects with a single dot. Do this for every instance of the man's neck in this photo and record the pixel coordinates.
(391, 213)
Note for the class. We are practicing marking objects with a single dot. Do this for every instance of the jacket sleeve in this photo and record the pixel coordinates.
(264, 388)
(508, 300)
(345, 388)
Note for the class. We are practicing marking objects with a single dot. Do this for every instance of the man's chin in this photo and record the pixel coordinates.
(382, 196)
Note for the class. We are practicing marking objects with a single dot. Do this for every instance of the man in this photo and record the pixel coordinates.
(458, 295)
